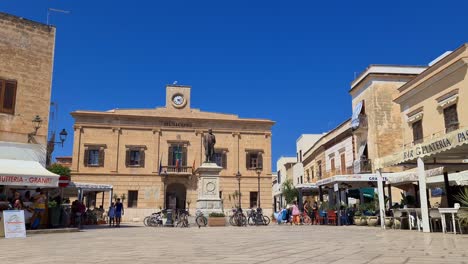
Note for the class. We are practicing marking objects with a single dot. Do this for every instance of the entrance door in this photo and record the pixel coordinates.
(176, 194)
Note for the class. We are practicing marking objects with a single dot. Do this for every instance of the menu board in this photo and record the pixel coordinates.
(14, 224)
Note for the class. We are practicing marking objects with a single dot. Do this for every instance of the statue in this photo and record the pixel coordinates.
(209, 140)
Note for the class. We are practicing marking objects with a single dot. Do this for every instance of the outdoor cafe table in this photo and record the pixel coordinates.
(416, 211)
(452, 211)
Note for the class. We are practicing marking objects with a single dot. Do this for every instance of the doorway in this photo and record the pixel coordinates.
(176, 196)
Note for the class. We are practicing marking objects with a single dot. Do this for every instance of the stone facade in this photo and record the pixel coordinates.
(156, 133)
(26, 59)
(380, 129)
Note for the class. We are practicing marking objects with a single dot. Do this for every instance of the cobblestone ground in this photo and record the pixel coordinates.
(271, 244)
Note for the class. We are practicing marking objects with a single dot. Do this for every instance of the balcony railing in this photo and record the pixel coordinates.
(181, 170)
(363, 166)
(346, 171)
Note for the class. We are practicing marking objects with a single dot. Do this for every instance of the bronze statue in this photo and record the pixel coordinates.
(209, 140)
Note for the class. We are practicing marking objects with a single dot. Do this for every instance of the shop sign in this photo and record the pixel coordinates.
(29, 181)
(14, 224)
(449, 141)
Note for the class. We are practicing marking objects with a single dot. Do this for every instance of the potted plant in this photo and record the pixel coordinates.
(54, 213)
(358, 217)
(216, 219)
(462, 214)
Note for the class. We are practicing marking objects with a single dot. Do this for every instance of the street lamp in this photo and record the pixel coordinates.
(50, 144)
(259, 171)
(36, 122)
(238, 177)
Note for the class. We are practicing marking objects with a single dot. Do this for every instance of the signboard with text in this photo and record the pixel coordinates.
(14, 224)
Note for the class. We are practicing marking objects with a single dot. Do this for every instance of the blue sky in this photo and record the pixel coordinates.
(289, 61)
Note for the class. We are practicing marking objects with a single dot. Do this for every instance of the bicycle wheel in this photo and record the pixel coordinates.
(146, 220)
(251, 221)
(243, 220)
(266, 220)
(231, 220)
(307, 220)
(200, 221)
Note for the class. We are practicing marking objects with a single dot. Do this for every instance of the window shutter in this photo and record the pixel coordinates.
(184, 156)
(224, 160)
(260, 160)
(86, 158)
(101, 157)
(142, 158)
(127, 158)
(9, 97)
(170, 156)
(247, 160)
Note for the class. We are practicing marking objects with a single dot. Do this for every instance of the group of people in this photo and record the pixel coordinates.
(115, 213)
(292, 214)
(34, 207)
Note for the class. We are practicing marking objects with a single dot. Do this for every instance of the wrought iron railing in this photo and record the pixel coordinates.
(184, 170)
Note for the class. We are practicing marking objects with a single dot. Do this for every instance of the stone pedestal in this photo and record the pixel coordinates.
(208, 189)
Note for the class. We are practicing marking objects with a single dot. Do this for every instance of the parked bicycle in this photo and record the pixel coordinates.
(305, 219)
(182, 218)
(256, 217)
(155, 219)
(201, 219)
(238, 218)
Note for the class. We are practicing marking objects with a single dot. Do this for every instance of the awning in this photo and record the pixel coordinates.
(306, 186)
(356, 112)
(450, 142)
(89, 187)
(396, 178)
(26, 173)
(459, 178)
(23, 151)
(358, 178)
(361, 149)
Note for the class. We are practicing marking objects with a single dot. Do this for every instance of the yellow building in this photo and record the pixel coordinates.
(149, 155)
(432, 107)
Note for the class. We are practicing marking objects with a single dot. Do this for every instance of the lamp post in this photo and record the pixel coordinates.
(36, 122)
(259, 171)
(50, 144)
(238, 177)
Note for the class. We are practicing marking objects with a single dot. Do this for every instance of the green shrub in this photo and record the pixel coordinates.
(216, 214)
(59, 169)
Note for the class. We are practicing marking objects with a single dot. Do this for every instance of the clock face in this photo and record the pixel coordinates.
(178, 100)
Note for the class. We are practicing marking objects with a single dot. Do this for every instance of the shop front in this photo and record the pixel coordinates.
(25, 184)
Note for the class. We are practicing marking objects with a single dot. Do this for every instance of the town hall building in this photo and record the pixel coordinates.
(149, 156)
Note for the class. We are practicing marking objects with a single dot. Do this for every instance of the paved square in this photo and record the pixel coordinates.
(271, 244)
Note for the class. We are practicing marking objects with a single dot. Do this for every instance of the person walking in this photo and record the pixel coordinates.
(40, 200)
(111, 215)
(119, 211)
(296, 213)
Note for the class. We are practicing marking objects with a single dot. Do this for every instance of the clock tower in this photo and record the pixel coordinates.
(178, 97)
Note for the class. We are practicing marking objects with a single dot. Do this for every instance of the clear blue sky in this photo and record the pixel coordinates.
(289, 61)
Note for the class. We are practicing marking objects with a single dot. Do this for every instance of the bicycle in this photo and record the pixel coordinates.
(238, 218)
(201, 219)
(305, 219)
(155, 219)
(182, 218)
(257, 218)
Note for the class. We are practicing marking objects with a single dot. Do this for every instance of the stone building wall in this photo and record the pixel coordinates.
(26, 56)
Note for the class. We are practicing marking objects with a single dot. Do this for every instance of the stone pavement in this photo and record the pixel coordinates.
(271, 244)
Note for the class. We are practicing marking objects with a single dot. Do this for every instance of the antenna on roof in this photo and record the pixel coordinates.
(175, 82)
(55, 10)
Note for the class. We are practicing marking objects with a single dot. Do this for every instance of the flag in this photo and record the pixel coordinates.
(160, 165)
(178, 158)
(193, 167)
